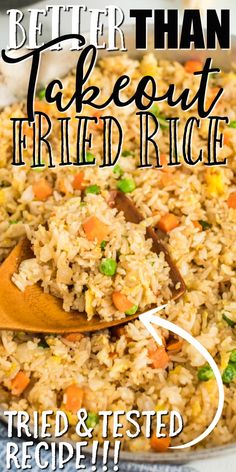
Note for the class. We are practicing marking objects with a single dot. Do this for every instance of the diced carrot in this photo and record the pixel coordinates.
(175, 344)
(42, 190)
(121, 302)
(78, 182)
(193, 66)
(227, 136)
(212, 94)
(167, 178)
(197, 225)
(231, 202)
(40, 105)
(159, 444)
(73, 337)
(214, 90)
(168, 222)
(159, 357)
(73, 398)
(99, 124)
(163, 162)
(19, 383)
(95, 229)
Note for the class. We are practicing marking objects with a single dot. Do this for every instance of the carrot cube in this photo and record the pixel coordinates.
(19, 383)
(231, 202)
(78, 182)
(42, 190)
(159, 357)
(193, 66)
(73, 398)
(95, 229)
(168, 222)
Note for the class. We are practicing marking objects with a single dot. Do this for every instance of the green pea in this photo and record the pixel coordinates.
(205, 225)
(103, 245)
(126, 185)
(132, 310)
(41, 93)
(93, 189)
(205, 373)
(90, 157)
(233, 356)
(232, 124)
(92, 420)
(117, 170)
(230, 322)
(229, 373)
(108, 267)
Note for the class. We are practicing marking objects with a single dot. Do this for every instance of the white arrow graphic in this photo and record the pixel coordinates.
(148, 319)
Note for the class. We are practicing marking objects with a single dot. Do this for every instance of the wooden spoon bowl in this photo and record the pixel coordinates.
(39, 312)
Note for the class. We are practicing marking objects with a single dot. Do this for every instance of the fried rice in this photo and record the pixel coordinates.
(86, 274)
(115, 369)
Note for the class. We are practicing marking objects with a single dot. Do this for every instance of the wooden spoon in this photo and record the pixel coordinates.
(36, 311)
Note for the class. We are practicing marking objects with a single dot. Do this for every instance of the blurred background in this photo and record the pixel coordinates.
(126, 5)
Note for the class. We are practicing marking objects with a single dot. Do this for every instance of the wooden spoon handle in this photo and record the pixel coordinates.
(132, 214)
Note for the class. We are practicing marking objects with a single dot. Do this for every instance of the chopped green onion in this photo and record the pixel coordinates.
(126, 153)
(103, 245)
(43, 343)
(205, 225)
(126, 185)
(163, 123)
(39, 169)
(232, 124)
(90, 157)
(41, 93)
(132, 310)
(214, 75)
(93, 189)
(229, 321)
(13, 222)
(117, 170)
(156, 112)
(108, 267)
(229, 373)
(92, 419)
(233, 356)
(205, 373)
